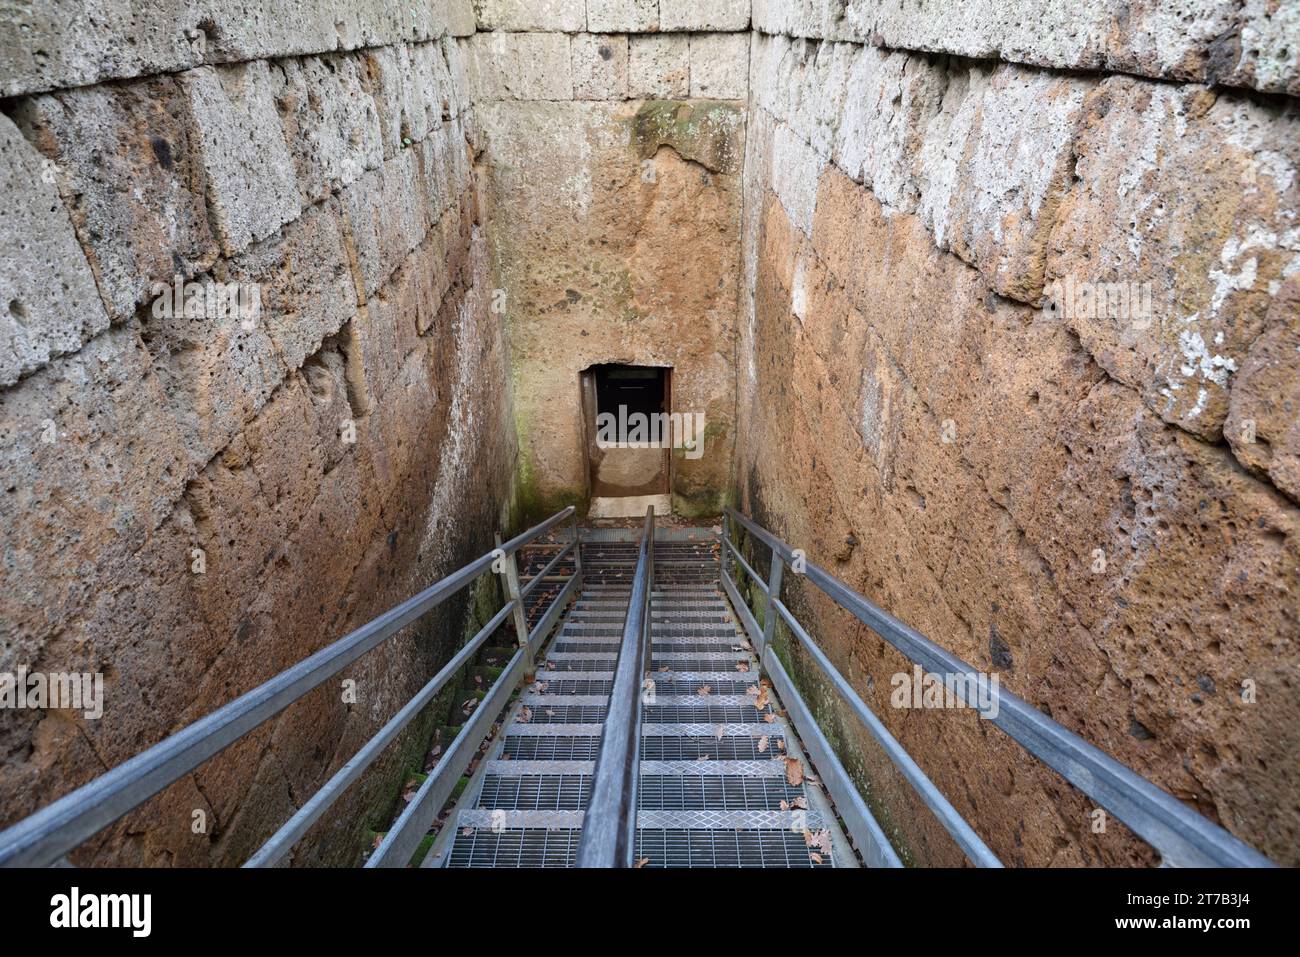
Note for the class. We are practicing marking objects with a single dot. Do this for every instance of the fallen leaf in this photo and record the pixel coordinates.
(742, 667)
(769, 718)
(800, 802)
(762, 744)
(816, 858)
(785, 806)
(705, 689)
(720, 732)
(466, 831)
(793, 772)
(643, 862)
(780, 743)
(525, 715)
(752, 691)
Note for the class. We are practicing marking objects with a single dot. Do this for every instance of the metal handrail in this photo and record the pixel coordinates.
(609, 825)
(1183, 837)
(46, 836)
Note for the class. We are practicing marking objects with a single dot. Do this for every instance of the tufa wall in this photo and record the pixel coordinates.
(1098, 502)
(328, 459)
(613, 141)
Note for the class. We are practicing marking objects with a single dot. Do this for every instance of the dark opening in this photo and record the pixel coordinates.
(640, 388)
(643, 390)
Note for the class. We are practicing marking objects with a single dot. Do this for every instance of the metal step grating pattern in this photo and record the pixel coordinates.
(713, 790)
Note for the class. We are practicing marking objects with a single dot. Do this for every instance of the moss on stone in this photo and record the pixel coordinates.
(704, 132)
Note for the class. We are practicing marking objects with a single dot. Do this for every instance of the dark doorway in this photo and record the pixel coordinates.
(625, 394)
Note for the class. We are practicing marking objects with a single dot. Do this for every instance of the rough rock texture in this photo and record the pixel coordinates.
(193, 503)
(997, 464)
(590, 250)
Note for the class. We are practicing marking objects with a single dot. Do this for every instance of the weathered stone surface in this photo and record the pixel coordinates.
(537, 15)
(660, 67)
(252, 188)
(704, 15)
(330, 123)
(49, 304)
(796, 170)
(706, 133)
(720, 66)
(600, 67)
(132, 182)
(52, 45)
(889, 101)
(622, 16)
(1237, 44)
(589, 248)
(1202, 217)
(989, 542)
(994, 166)
(522, 66)
(1263, 424)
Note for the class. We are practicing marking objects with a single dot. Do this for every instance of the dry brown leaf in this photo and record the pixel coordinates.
(816, 858)
(769, 718)
(525, 715)
(643, 862)
(793, 772)
(780, 743)
(752, 691)
(466, 831)
(801, 802)
(785, 806)
(705, 689)
(762, 744)
(742, 667)
(720, 732)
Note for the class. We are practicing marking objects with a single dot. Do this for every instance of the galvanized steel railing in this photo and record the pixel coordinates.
(49, 834)
(1183, 837)
(609, 825)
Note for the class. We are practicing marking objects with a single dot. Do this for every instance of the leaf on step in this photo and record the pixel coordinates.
(663, 668)
(550, 666)
(785, 806)
(762, 744)
(761, 702)
(642, 863)
(525, 715)
(550, 712)
(800, 802)
(780, 743)
(816, 858)
(793, 772)
(705, 689)
(720, 732)
(742, 667)
(769, 718)
(752, 691)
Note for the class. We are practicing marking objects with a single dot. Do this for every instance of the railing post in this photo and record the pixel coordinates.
(510, 572)
(774, 577)
(724, 553)
(577, 549)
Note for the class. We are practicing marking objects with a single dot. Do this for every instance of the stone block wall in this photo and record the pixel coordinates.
(613, 137)
(191, 505)
(1094, 500)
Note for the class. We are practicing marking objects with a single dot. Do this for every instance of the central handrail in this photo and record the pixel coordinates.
(609, 826)
(45, 837)
(1183, 837)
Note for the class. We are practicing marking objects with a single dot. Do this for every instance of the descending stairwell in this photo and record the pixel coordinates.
(722, 779)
